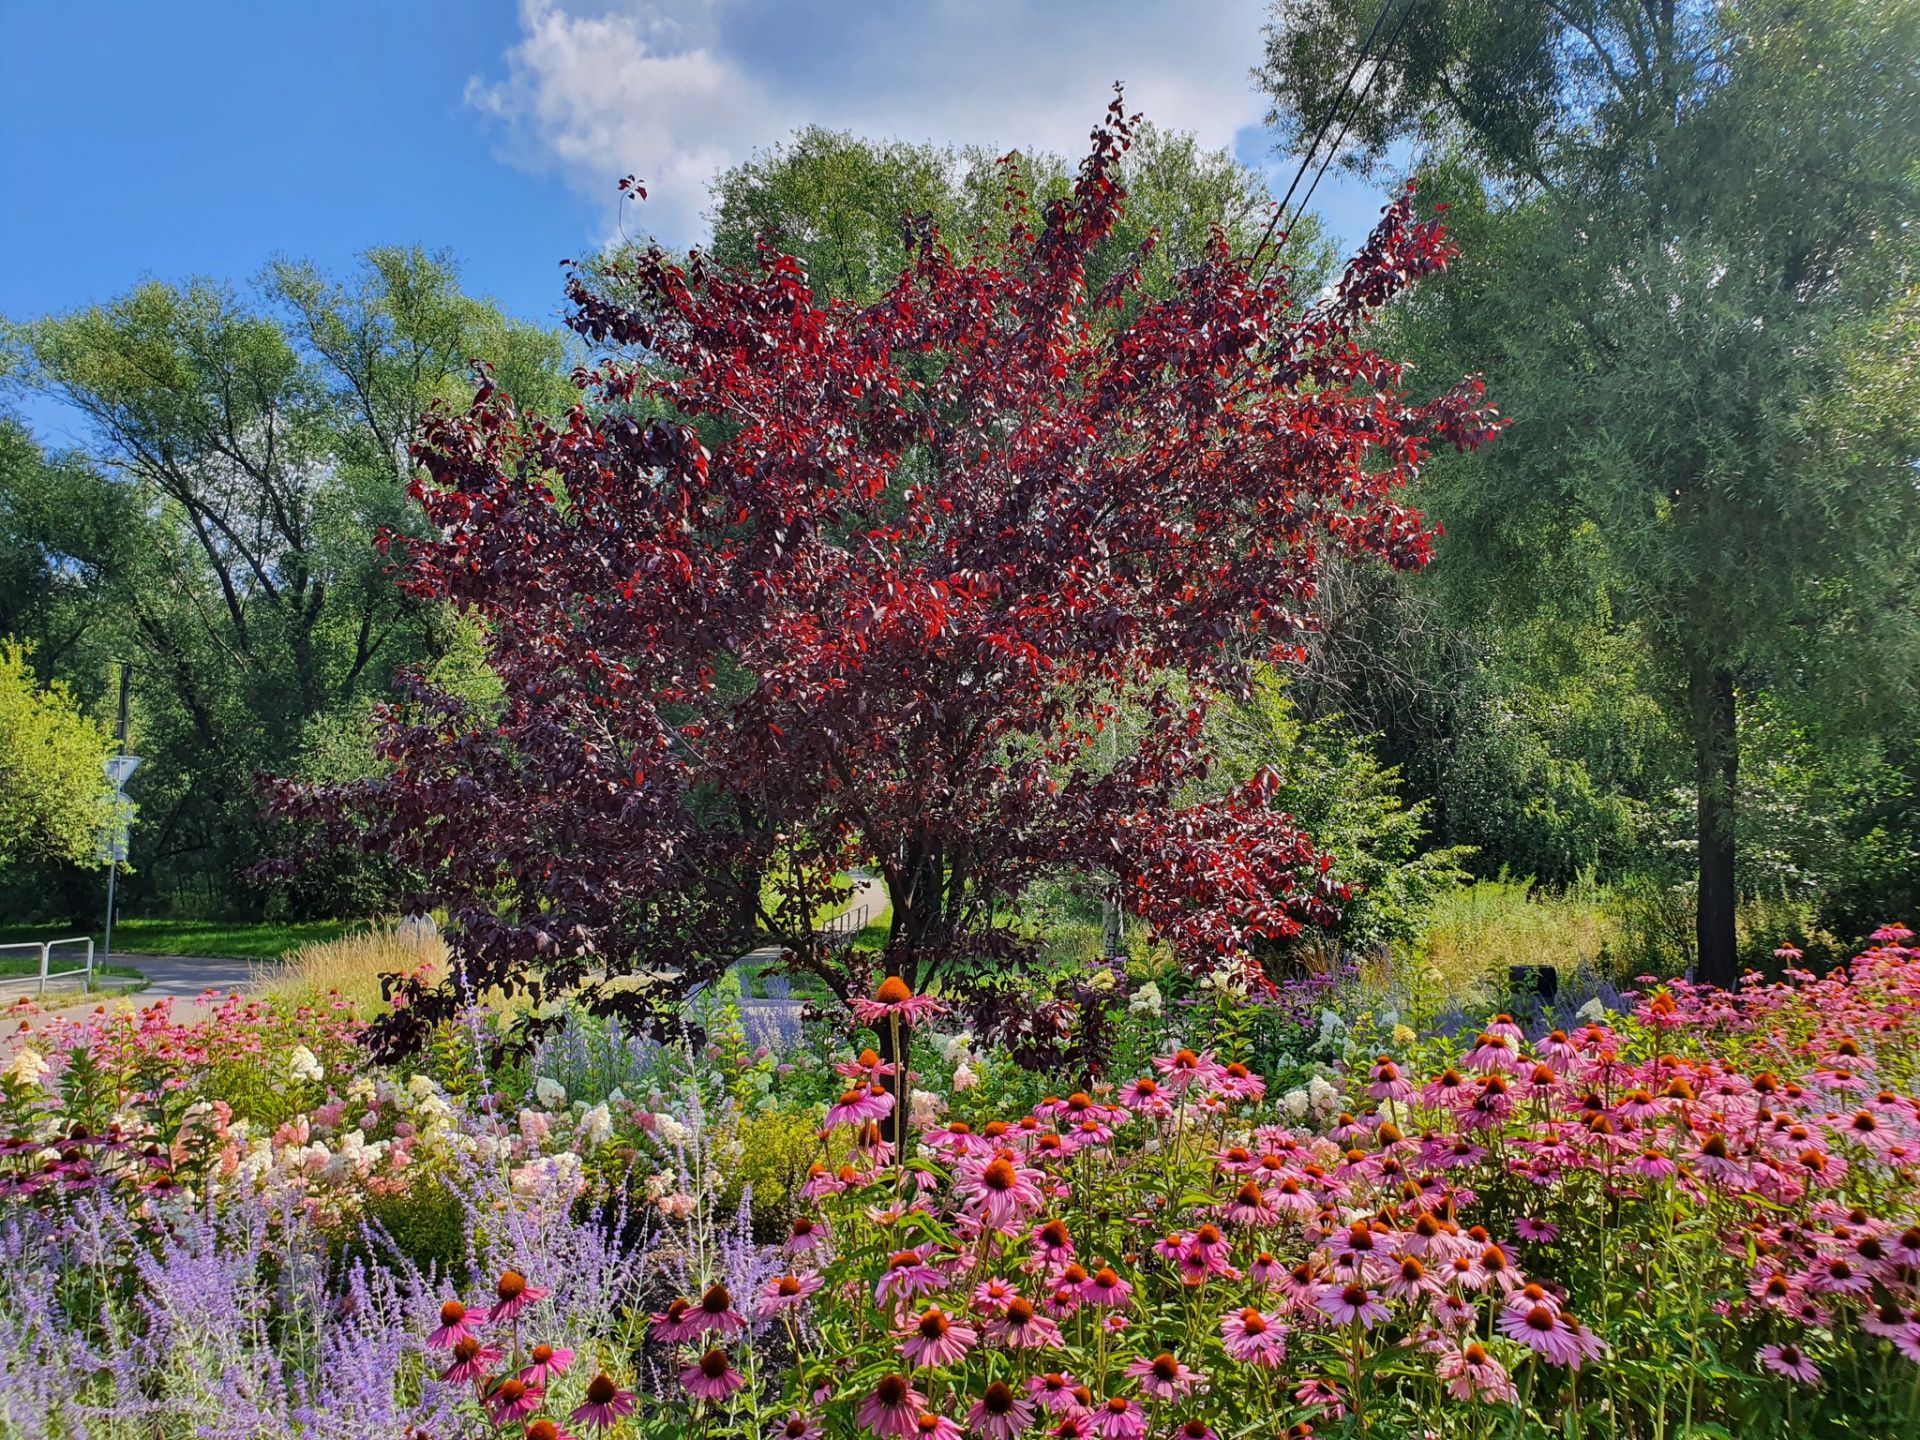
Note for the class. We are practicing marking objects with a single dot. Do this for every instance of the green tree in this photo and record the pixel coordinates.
(1688, 235)
(836, 201)
(54, 795)
(244, 449)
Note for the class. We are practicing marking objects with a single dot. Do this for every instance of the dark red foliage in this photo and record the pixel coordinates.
(872, 589)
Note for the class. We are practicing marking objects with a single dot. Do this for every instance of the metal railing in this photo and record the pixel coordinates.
(839, 932)
(45, 947)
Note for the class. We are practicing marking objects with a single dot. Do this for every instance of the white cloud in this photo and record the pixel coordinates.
(676, 91)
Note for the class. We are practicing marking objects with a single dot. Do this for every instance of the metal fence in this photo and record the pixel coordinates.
(838, 932)
(45, 948)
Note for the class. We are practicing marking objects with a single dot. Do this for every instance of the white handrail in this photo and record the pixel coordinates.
(45, 947)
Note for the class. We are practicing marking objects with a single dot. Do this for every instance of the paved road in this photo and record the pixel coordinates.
(180, 978)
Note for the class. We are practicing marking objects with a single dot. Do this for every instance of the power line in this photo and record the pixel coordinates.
(1339, 101)
(1380, 65)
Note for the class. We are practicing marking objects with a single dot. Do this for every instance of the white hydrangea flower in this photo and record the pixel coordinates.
(596, 1126)
(1591, 1012)
(670, 1131)
(1147, 1000)
(303, 1064)
(1295, 1102)
(550, 1093)
(1321, 1096)
(964, 1078)
(27, 1067)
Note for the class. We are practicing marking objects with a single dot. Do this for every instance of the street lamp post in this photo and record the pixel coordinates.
(119, 769)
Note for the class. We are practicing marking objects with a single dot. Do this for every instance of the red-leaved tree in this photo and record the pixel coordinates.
(801, 585)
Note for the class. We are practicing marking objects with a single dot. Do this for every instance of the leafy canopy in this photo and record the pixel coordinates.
(873, 589)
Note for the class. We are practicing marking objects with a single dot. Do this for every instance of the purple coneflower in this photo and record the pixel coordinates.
(471, 1360)
(894, 1000)
(1020, 1327)
(515, 1295)
(907, 1274)
(999, 1413)
(892, 1408)
(712, 1377)
(1790, 1361)
(512, 1399)
(544, 1362)
(786, 1291)
(797, 1426)
(1163, 1376)
(1538, 1328)
(1254, 1337)
(1105, 1287)
(1055, 1392)
(933, 1338)
(545, 1429)
(1120, 1419)
(1351, 1304)
(606, 1402)
(454, 1326)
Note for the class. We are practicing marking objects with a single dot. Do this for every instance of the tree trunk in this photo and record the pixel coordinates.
(1716, 741)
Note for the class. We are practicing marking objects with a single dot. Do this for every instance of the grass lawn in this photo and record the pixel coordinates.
(16, 966)
(214, 939)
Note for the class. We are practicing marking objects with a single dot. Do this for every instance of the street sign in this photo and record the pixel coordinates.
(120, 769)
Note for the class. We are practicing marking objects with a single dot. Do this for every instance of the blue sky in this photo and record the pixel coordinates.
(201, 138)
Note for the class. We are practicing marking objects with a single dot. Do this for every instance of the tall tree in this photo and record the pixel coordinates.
(1690, 230)
(254, 444)
(888, 608)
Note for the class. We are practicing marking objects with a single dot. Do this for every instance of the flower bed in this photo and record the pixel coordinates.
(1696, 1216)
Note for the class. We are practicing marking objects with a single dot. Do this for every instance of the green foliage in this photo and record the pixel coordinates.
(244, 447)
(54, 796)
(836, 201)
(1339, 792)
(775, 1148)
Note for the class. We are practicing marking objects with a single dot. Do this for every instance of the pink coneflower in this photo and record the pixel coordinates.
(999, 1413)
(544, 1362)
(895, 1000)
(1586, 1345)
(860, 1105)
(712, 1377)
(1254, 1337)
(797, 1426)
(515, 1295)
(1120, 1419)
(472, 1361)
(1835, 1275)
(544, 1429)
(1055, 1392)
(1236, 1082)
(866, 1066)
(930, 1426)
(1386, 1081)
(1145, 1097)
(1105, 1287)
(1409, 1279)
(1250, 1207)
(1351, 1304)
(512, 1399)
(908, 1274)
(1540, 1231)
(1538, 1328)
(1210, 1247)
(605, 1404)
(1472, 1374)
(934, 1338)
(805, 1235)
(1790, 1361)
(786, 1291)
(1654, 1164)
(892, 1408)
(1020, 1327)
(1052, 1243)
(991, 1295)
(680, 1321)
(715, 1312)
(1492, 1053)
(1163, 1376)
(454, 1326)
(1184, 1068)
(998, 1192)
(1195, 1429)
(1322, 1395)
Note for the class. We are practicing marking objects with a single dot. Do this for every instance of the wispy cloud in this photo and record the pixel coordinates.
(675, 90)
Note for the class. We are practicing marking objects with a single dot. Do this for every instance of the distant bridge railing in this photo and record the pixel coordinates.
(44, 948)
(838, 933)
